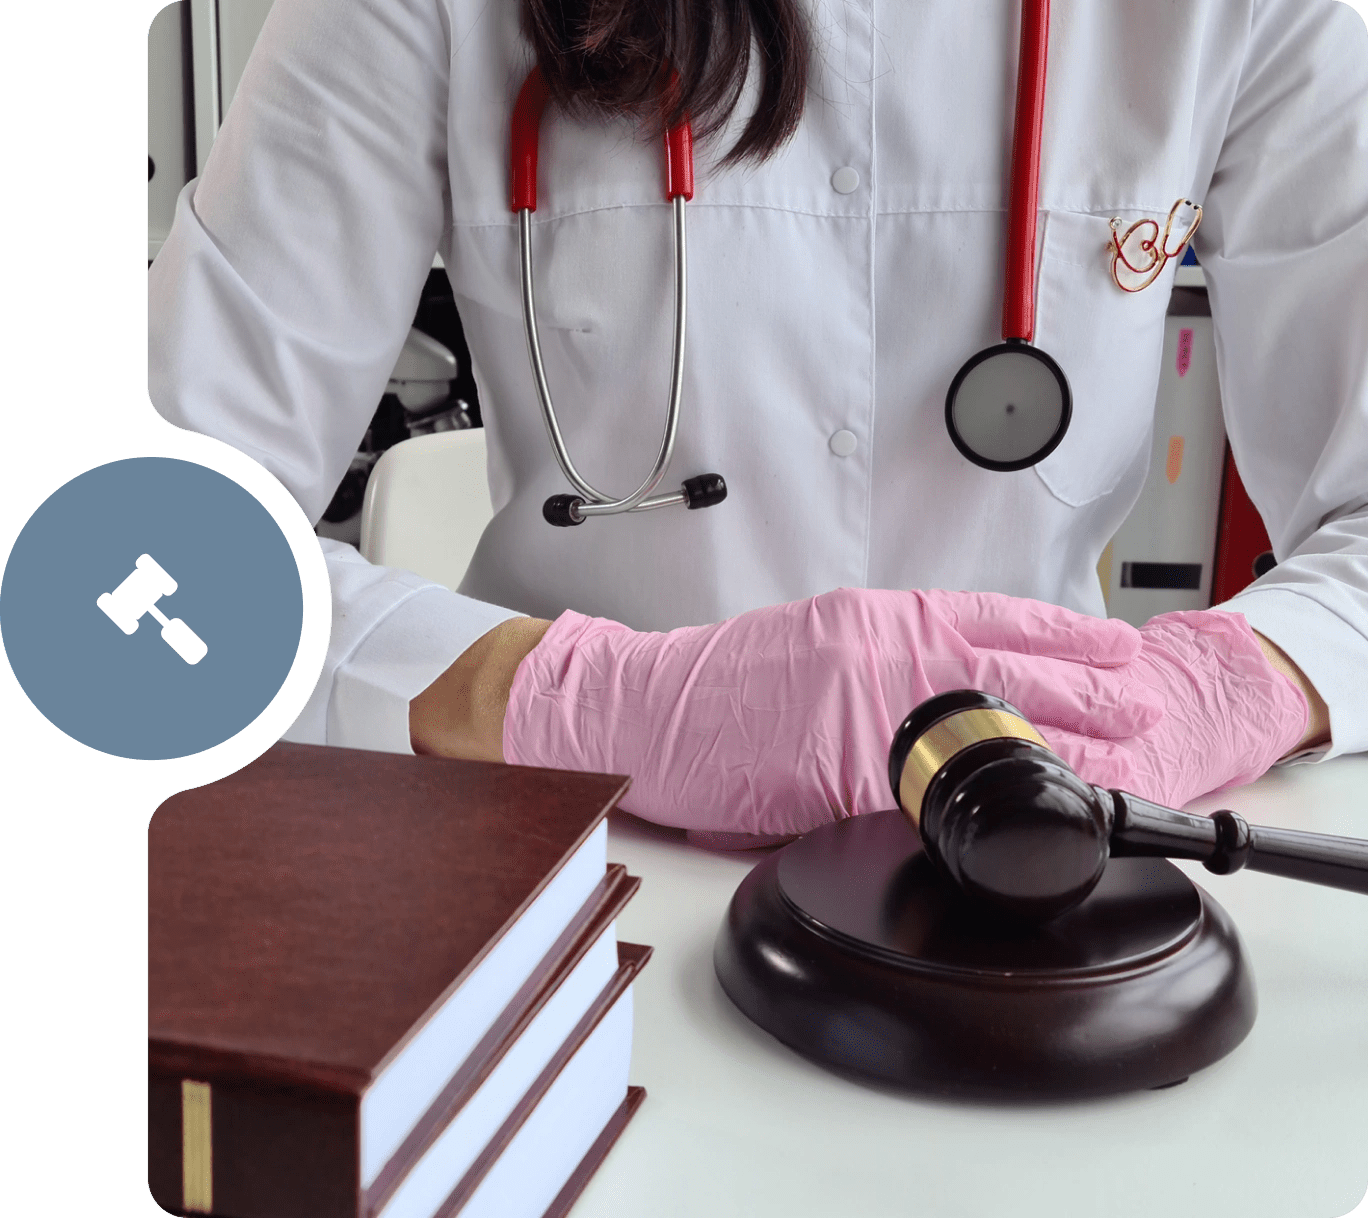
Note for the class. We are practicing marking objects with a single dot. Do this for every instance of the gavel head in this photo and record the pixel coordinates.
(1000, 814)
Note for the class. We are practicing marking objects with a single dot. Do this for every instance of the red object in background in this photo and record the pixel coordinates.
(1243, 551)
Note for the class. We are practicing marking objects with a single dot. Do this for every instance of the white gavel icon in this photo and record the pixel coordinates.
(138, 594)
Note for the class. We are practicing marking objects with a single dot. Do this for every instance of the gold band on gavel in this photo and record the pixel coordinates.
(942, 740)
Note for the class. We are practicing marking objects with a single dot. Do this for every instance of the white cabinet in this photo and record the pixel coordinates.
(196, 53)
(223, 33)
(170, 131)
(239, 23)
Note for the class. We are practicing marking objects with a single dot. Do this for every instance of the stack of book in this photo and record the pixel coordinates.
(387, 987)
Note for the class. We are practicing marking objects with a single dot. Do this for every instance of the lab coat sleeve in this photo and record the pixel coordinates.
(392, 635)
(1285, 248)
(284, 292)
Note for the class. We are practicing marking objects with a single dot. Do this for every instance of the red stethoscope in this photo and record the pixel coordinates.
(698, 492)
(1008, 407)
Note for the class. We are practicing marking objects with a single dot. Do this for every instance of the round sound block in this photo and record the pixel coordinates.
(851, 948)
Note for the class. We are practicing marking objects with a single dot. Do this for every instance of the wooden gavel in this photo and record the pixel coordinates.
(1012, 825)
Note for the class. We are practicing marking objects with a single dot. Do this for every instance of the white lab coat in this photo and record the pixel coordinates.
(369, 134)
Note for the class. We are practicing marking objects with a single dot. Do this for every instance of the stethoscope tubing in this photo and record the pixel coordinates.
(596, 502)
(980, 407)
(1018, 298)
(703, 490)
(970, 420)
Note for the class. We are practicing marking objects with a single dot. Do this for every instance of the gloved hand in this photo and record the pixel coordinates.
(780, 719)
(1228, 713)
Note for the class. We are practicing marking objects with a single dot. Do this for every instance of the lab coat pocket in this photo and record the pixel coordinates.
(1109, 344)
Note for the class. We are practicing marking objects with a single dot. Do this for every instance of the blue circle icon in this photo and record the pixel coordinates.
(151, 608)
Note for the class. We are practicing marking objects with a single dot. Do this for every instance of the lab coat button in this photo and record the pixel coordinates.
(843, 443)
(845, 180)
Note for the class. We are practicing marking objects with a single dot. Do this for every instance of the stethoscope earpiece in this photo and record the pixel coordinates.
(563, 511)
(705, 490)
(702, 491)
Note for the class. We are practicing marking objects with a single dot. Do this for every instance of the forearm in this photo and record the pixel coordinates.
(461, 713)
(1318, 715)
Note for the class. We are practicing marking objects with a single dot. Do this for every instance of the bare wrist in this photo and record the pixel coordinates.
(1318, 714)
(461, 713)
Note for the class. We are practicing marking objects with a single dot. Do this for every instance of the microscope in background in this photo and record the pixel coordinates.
(431, 389)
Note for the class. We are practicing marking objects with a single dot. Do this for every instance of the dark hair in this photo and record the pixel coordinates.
(614, 56)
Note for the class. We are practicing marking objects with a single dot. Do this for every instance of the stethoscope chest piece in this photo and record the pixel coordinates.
(1008, 407)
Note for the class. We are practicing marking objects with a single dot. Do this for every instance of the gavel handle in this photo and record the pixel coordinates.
(1224, 842)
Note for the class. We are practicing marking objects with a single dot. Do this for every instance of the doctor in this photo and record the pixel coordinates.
(748, 663)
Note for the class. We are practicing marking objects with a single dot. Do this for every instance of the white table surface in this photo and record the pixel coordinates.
(736, 1123)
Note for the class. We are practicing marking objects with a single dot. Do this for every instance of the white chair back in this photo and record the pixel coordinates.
(427, 502)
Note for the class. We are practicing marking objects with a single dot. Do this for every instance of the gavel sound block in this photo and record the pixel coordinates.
(1009, 931)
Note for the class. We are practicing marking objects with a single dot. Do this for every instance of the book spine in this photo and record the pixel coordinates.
(250, 1151)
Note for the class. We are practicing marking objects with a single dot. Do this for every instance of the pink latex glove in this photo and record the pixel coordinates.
(1228, 713)
(779, 720)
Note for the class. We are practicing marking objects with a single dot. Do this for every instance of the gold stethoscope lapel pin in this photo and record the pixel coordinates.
(1139, 254)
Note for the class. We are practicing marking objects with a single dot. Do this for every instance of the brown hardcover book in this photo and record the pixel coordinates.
(343, 946)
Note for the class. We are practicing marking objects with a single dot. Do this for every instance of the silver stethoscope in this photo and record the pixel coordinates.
(1008, 407)
(699, 492)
